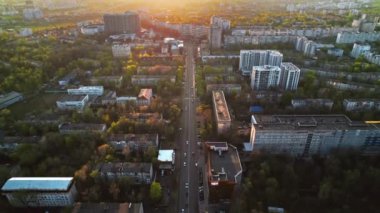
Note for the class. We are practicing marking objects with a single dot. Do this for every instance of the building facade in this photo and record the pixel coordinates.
(361, 104)
(290, 76)
(139, 173)
(40, 191)
(215, 37)
(87, 90)
(251, 58)
(80, 128)
(128, 22)
(306, 135)
(72, 102)
(359, 49)
(221, 22)
(121, 50)
(151, 80)
(265, 77)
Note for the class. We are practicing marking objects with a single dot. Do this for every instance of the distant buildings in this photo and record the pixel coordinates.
(92, 29)
(144, 98)
(215, 37)
(32, 13)
(290, 76)
(25, 32)
(128, 22)
(222, 114)
(72, 102)
(306, 46)
(9, 99)
(221, 22)
(151, 80)
(224, 171)
(251, 58)
(135, 142)
(317, 103)
(87, 90)
(139, 173)
(121, 50)
(306, 135)
(335, 52)
(359, 49)
(352, 37)
(265, 77)
(80, 128)
(361, 104)
(40, 191)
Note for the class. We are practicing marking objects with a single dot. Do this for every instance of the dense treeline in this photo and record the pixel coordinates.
(342, 182)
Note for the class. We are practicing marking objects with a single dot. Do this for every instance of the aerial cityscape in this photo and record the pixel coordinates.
(193, 106)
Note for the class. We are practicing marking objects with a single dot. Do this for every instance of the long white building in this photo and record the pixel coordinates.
(251, 58)
(352, 37)
(40, 191)
(305, 135)
(121, 50)
(87, 90)
(359, 49)
(72, 102)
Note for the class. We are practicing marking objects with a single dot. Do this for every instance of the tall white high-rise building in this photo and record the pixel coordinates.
(215, 37)
(223, 23)
(290, 76)
(251, 58)
(264, 77)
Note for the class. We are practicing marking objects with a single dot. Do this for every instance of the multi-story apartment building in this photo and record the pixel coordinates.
(40, 191)
(306, 46)
(265, 77)
(317, 103)
(80, 128)
(251, 58)
(87, 90)
(135, 142)
(72, 102)
(121, 50)
(215, 37)
(222, 114)
(140, 173)
(361, 104)
(290, 76)
(352, 37)
(359, 49)
(151, 80)
(224, 171)
(128, 22)
(305, 135)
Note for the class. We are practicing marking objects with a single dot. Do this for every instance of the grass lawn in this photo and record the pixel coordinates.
(36, 104)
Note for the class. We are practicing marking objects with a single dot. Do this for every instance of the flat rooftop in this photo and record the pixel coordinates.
(166, 155)
(220, 106)
(289, 66)
(9, 96)
(308, 122)
(37, 184)
(223, 165)
(72, 98)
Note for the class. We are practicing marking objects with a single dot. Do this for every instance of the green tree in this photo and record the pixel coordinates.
(155, 191)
